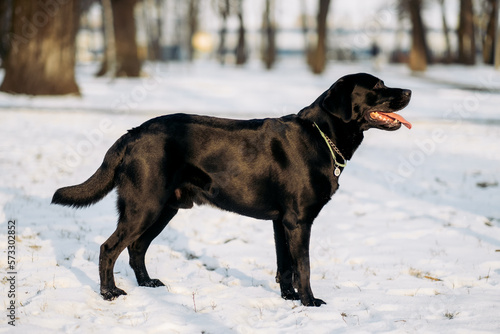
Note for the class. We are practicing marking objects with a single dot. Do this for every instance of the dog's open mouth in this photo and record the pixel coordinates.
(389, 118)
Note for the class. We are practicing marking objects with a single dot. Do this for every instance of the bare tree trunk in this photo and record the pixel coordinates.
(446, 32)
(241, 51)
(269, 35)
(466, 34)
(5, 25)
(109, 61)
(497, 51)
(152, 12)
(127, 57)
(491, 31)
(41, 57)
(317, 58)
(305, 27)
(419, 52)
(193, 10)
(156, 43)
(223, 7)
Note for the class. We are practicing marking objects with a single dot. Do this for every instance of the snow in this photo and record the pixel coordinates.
(410, 242)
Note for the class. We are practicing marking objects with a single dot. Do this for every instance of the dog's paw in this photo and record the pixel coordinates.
(152, 283)
(110, 294)
(290, 295)
(314, 302)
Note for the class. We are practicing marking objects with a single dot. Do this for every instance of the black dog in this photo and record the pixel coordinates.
(281, 169)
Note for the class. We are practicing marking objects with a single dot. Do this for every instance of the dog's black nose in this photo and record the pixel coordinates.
(407, 92)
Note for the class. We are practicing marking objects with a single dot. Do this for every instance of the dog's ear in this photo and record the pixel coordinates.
(337, 100)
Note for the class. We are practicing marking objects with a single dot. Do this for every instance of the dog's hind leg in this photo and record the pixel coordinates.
(137, 250)
(136, 216)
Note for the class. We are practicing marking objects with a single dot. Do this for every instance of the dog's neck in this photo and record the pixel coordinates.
(346, 136)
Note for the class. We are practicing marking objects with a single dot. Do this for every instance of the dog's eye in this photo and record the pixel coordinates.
(379, 85)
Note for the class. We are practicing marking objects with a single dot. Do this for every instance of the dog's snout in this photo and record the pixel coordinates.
(407, 92)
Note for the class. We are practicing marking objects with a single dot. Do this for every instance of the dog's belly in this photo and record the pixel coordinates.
(255, 207)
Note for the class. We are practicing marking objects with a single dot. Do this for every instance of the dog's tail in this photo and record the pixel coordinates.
(99, 184)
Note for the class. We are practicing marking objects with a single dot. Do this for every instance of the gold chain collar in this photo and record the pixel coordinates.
(332, 148)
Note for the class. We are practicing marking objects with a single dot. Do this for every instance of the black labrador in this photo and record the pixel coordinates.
(281, 169)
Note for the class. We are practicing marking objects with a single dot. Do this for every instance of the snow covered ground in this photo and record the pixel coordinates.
(410, 242)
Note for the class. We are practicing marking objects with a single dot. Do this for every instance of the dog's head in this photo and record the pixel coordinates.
(364, 99)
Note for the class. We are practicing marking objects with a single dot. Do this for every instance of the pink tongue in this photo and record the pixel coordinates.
(399, 118)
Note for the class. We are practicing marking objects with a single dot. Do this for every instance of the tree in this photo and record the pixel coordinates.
(241, 50)
(446, 30)
(466, 34)
(5, 16)
(419, 52)
(304, 21)
(268, 35)
(193, 11)
(497, 52)
(223, 9)
(317, 56)
(127, 57)
(109, 60)
(491, 32)
(153, 17)
(41, 55)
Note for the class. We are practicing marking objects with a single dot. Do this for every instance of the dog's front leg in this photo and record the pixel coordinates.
(298, 235)
(285, 275)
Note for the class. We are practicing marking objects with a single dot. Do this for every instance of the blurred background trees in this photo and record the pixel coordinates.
(419, 52)
(228, 9)
(126, 61)
(317, 54)
(269, 34)
(42, 41)
(490, 23)
(39, 47)
(466, 34)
